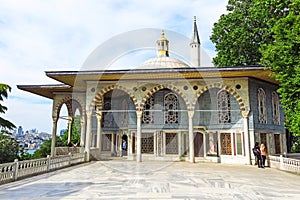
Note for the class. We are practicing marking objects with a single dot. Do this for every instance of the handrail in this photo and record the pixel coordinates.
(20, 169)
(285, 164)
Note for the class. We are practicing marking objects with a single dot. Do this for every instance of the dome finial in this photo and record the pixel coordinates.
(195, 19)
(163, 45)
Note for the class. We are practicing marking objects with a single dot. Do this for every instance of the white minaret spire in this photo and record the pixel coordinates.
(195, 46)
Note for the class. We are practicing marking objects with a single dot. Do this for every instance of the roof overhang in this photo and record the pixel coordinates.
(75, 81)
(79, 78)
(47, 91)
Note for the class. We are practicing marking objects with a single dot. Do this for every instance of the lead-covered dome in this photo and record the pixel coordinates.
(163, 62)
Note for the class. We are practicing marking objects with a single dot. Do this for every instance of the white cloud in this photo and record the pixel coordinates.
(38, 36)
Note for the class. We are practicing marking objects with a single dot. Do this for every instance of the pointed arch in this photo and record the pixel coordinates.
(222, 86)
(72, 104)
(98, 99)
(160, 87)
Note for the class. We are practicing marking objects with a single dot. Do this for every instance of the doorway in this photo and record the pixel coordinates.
(198, 145)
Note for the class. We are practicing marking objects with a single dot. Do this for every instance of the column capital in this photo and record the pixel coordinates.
(139, 114)
(54, 118)
(99, 115)
(191, 113)
(245, 113)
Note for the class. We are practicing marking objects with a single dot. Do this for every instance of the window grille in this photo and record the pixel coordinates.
(108, 117)
(171, 143)
(262, 113)
(171, 107)
(226, 144)
(148, 114)
(147, 143)
(275, 108)
(223, 107)
(106, 142)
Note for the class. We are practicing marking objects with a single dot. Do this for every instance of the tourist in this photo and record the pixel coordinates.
(256, 152)
(124, 147)
(263, 153)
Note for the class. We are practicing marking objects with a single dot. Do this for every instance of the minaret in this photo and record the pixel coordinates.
(163, 46)
(195, 47)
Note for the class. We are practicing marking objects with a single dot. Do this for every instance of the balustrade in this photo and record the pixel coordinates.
(20, 169)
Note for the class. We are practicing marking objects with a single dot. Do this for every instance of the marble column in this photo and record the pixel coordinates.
(139, 136)
(88, 135)
(82, 131)
(54, 118)
(99, 130)
(70, 122)
(191, 137)
(245, 115)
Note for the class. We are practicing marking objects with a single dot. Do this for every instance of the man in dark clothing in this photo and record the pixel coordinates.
(256, 152)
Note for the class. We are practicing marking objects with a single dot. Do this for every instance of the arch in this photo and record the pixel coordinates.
(98, 99)
(160, 87)
(72, 104)
(227, 88)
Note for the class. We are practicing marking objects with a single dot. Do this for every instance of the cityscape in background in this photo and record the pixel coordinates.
(31, 140)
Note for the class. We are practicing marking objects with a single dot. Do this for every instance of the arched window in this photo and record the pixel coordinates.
(124, 114)
(148, 114)
(262, 112)
(108, 117)
(275, 108)
(171, 108)
(223, 107)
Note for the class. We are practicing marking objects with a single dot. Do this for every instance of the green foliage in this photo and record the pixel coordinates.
(62, 141)
(283, 57)
(4, 94)
(238, 35)
(235, 36)
(265, 32)
(8, 148)
(45, 149)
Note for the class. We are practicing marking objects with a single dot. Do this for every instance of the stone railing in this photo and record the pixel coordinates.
(285, 164)
(20, 169)
(66, 150)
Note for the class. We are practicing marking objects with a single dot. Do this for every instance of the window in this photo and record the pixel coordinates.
(223, 107)
(148, 114)
(226, 144)
(262, 113)
(106, 142)
(147, 143)
(171, 107)
(275, 109)
(239, 144)
(171, 143)
(277, 144)
(108, 117)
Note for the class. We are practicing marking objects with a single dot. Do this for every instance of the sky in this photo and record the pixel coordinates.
(38, 36)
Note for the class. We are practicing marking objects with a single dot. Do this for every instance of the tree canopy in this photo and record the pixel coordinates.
(267, 33)
(4, 88)
(283, 57)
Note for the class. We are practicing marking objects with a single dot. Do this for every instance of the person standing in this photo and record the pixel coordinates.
(263, 153)
(256, 152)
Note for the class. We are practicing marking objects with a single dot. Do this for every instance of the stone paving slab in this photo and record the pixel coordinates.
(156, 180)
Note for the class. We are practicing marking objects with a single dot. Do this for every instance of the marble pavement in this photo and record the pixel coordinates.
(121, 179)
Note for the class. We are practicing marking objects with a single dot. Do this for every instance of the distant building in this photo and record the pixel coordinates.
(20, 131)
(169, 110)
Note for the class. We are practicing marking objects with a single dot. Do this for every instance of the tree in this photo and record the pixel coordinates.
(234, 36)
(62, 141)
(238, 35)
(3, 93)
(283, 57)
(8, 147)
(264, 32)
